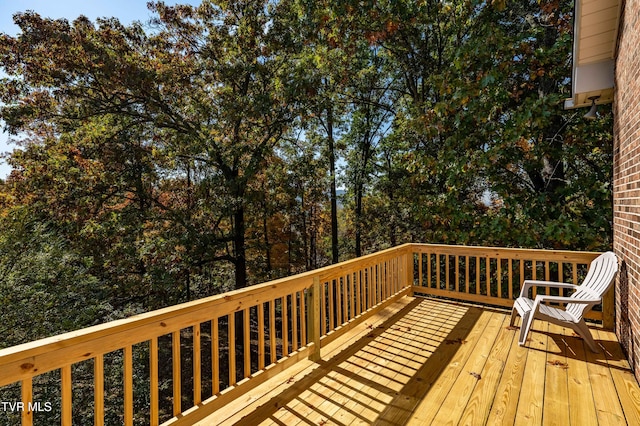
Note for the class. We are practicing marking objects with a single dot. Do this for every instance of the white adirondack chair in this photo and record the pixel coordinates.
(599, 278)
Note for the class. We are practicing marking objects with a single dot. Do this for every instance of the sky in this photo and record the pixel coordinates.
(126, 11)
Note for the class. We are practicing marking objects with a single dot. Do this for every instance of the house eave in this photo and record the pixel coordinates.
(594, 46)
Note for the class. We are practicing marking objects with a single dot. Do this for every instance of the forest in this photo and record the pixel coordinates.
(224, 145)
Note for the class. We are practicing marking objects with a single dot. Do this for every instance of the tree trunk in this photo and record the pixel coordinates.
(265, 230)
(313, 238)
(290, 250)
(333, 195)
(305, 233)
(239, 248)
(358, 219)
(392, 206)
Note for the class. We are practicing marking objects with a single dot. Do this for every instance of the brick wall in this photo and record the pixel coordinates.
(626, 182)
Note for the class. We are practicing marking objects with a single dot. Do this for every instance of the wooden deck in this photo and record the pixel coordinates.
(425, 361)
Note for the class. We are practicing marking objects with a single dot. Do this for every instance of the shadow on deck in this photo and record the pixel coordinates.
(426, 361)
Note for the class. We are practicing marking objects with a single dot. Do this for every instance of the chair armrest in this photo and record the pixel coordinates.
(540, 298)
(527, 284)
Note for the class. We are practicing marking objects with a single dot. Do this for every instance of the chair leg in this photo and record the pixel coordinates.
(514, 314)
(527, 320)
(584, 332)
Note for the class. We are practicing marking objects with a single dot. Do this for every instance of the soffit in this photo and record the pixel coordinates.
(594, 46)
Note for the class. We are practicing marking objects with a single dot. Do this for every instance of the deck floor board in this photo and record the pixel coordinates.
(426, 361)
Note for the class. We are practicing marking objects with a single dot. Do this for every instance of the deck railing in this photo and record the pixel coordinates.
(246, 336)
(218, 348)
(494, 275)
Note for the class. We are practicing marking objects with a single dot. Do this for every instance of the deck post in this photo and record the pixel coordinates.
(313, 318)
(608, 309)
(409, 269)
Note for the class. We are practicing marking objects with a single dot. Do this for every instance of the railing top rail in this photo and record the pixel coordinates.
(517, 253)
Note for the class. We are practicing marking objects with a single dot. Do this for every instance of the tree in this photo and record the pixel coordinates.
(539, 181)
(484, 149)
(212, 91)
(204, 149)
(372, 110)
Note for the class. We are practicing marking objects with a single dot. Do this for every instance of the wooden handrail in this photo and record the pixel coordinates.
(295, 317)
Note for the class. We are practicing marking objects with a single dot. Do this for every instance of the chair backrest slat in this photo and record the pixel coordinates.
(599, 278)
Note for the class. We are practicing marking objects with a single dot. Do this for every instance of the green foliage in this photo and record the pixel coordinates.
(161, 166)
(44, 277)
(483, 152)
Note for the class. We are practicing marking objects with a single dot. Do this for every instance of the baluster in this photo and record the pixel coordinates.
(429, 277)
(510, 279)
(378, 284)
(153, 382)
(323, 310)
(447, 273)
(285, 328)
(466, 274)
(358, 283)
(215, 357)
(478, 281)
(26, 390)
(246, 342)
(128, 385)
(456, 273)
(303, 320)
(67, 394)
(314, 318)
(499, 277)
(261, 332)
(294, 321)
(488, 276)
(331, 288)
(98, 390)
(345, 299)
(338, 310)
(177, 381)
(438, 283)
(547, 275)
(521, 280)
(231, 324)
(272, 331)
(197, 376)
